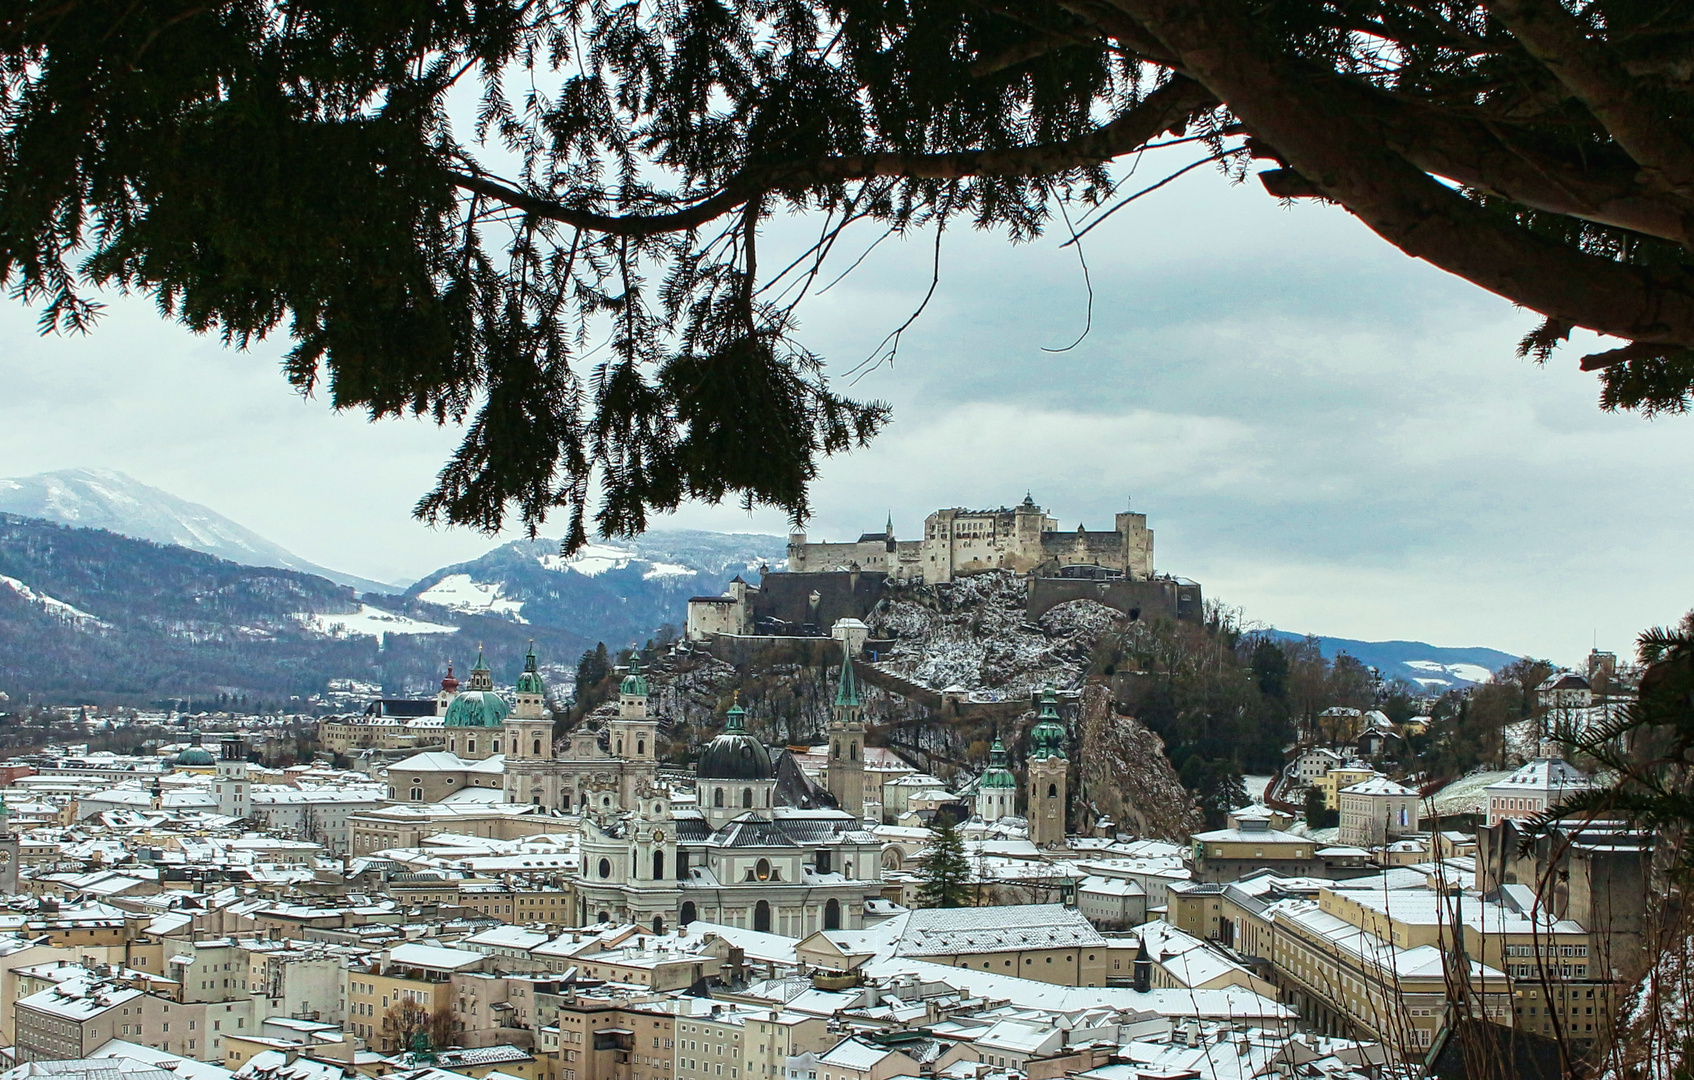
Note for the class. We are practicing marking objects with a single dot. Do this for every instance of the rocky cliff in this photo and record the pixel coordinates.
(1123, 775)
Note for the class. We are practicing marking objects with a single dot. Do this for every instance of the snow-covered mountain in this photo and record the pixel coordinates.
(110, 500)
(1435, 668)
(618, 592)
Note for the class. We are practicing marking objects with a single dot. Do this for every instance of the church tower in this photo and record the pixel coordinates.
(634, 733)
(231, 785)
(847, 742)
(1048, 774)
(9, 852)
(528, 730)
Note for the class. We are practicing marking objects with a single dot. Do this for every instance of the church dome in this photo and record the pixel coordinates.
(530, 682)
(1047, 737)
(997, 775)
(195, 756)
(476, 708)
(735, 755)
(634, 683)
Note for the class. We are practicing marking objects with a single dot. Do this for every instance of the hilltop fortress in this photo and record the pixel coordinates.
(825, 582)
(1022, 538)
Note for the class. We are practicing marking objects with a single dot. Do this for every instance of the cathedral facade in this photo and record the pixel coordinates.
(745, 854)
(604, 770)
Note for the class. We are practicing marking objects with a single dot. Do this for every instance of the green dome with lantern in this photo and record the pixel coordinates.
(634, 684)
(1047, 738)
(530, 682)
(997, 775)
(478, 706)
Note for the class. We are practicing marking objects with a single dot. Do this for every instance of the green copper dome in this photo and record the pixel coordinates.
(477, 708)
(195, 756)
(1047, 737)
(634, 683)
(530, 682)
(997, 775)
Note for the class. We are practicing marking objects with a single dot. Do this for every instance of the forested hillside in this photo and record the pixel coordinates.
(90, 616)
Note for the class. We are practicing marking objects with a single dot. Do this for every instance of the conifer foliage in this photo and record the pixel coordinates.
(543, 216)
(943, 870)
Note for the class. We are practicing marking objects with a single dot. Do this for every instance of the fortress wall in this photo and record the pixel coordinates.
(788, 597)
(1159, 598)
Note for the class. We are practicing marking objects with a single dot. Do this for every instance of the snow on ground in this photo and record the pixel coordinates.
(974, 633)
(1475, 673)
(60, 610)
(590, 559)
(665, 569)
(369, 622)
(1256, 786)
(459, 593)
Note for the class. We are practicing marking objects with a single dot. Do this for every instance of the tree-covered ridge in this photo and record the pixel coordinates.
(544, 216)
(166, 623)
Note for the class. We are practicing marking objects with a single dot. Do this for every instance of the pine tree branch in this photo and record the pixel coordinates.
(1320, 133)
(1169, 106)
(1559, 40)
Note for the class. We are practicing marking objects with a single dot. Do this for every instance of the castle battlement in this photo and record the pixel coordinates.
(957, 541)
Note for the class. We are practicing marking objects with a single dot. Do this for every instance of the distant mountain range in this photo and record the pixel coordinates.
(108, 499)
(127, 593)
(1435, 668)
(87, 616)
(620, 593)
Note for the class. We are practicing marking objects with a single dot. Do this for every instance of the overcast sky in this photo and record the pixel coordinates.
(1323, 432)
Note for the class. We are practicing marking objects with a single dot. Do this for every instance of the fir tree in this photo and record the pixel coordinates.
(944, 871)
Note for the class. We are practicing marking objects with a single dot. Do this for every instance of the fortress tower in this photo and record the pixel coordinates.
(847, 742)
(1049, 773)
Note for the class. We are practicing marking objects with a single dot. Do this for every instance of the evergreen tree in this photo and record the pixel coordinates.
(208, 155)
(943, 869)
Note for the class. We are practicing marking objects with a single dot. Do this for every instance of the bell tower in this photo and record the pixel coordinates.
(529, 734)
(231, 785)
(847, 741)
(1048, 774)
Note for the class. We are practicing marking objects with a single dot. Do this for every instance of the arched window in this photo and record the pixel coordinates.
(832, 915)
(605, 916)
(641, 748)
(537, 750)
(746, 798)
(762, 870)
(1052, 791)
(835, 751)
(717, 798)
(762, 917)
(417, 794)
(658, 925)
(658, 867)
(605, 870)
(686, 915)
(853, 751)
(847, 868)
(620, 748)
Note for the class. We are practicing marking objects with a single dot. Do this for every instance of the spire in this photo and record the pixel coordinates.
(735, 721)
(847, 692)
(479, 665)
(449, 684)
(888, 529)
(529, 658)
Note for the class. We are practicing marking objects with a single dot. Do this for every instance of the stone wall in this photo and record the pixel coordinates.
(1171, 598)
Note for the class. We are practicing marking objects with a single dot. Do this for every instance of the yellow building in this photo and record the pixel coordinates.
(414, 974)
(1332, 783)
